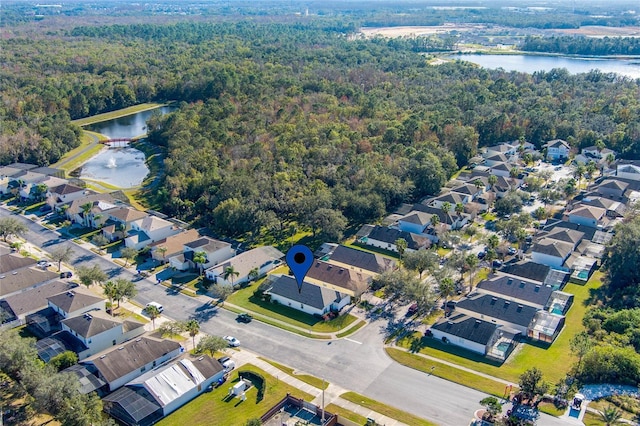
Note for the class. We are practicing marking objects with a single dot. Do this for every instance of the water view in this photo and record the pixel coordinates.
(129, 126)
(533, 63)
(121, 167)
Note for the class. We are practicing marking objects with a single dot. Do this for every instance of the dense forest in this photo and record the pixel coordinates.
(583, 45)
(299, 121)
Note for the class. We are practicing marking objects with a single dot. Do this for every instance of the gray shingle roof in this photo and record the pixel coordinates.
(362, 259)
(309, 294)
(390, 235)
(466, 327)
(91, 324)
(74, 300)
(514, 288)
(10, 262)
(553, 247)
(130, 356)
(35, 299)
(498, 308)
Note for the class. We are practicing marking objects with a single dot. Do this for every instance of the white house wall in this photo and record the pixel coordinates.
(118, 383)
(297, 305)
(546, 259)
(459, 341)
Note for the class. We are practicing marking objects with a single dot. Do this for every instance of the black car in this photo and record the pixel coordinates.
(66, 274)
(244, 318)
(481, 255)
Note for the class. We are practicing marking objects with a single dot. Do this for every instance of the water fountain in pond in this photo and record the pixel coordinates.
(111, 163)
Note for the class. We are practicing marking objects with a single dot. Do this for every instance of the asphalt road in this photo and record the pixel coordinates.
(357, 363)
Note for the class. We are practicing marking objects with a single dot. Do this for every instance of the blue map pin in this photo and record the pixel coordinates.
(299, 258)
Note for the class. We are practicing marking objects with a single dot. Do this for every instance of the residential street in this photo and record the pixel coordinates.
(357, 363)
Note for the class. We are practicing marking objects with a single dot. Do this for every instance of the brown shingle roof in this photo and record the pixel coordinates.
(175, 243)
(10, 262)
(126, 214)
(23, 278)
(346, 279)
(73, 300)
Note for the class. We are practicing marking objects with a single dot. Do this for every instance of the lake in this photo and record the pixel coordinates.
(129, 126)
(121, 167)
(533, 63)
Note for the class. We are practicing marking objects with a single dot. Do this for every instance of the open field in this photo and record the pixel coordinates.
(417, 31)
(600, 31)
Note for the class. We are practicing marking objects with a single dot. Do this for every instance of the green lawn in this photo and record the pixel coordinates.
(346, 414)
(115, 114)
(352, 330)
(447, 372)
(244, 298)
(386, 410)
(370, 249)
(310, 380)
(215, 408)
(554, 360)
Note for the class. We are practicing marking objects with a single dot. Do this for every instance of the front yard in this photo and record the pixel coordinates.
(245, 298)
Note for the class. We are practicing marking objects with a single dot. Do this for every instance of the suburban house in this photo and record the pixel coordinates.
(163, 390)
(310, 298)
(6, 176)
(32, 300)
(416, 222)
(89, 382)
(551, 252)
(384, 237)
(148, 230)
(468, 332)
(557, 150)
(597, 153)
(40, 187)
(119, 221)
(506, 149)
(614, 209)
(23, 278)
(628, 169)
(450, 220)
(360, 261)
(166, 248)
(75, 302)
(98, 331)
(452, 198)
(65, 193)
(612, 188)
(118, 366)
(517, 290)
(84, 209)
(333, 277)
(12, 262)
(215, 251)
(502, 169)
(495, 158)
(591, 216)
(469, 189)
(59, 342)
(498, 310)
(260, 260)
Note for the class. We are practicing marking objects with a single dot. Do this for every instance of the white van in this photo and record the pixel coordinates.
(229, 365)
(157, 305)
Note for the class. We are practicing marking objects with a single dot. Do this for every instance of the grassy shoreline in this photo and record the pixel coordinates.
(116, 114)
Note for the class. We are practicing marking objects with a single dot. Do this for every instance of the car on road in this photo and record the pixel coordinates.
(67, 274)
(156, 304)
(412, 309)
(244, 317)
(44, 264)
(496, 264)
(233, 342)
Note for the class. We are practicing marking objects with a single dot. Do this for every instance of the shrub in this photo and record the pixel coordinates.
(258, 381)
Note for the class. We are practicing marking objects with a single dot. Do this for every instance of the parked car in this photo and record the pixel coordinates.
(512, 251)
(156, 304)
(44, 264)
(67, 274)
(223, 359)
(412, 309)
(244, 317)
(496, 264)
(481, 255)
(233, 342)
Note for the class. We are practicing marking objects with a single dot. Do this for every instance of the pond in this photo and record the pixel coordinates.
(121, 167)
(533, 63)
(129, 126)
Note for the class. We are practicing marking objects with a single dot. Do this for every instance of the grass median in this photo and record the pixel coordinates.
(310, 380)
(386, 410)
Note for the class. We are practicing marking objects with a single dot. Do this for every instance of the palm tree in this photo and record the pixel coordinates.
(253, 274)
(401, 246)
(471, 262)
(446, 207)
(579, 172)
(446, 288)
(193, 327)
(229, 273)
(111, 291)
(86, 208)
(435, 220)
(162, 250)
(492, 180)
(200, 258)
(152, 312)
(459, 208)
(611, 416)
